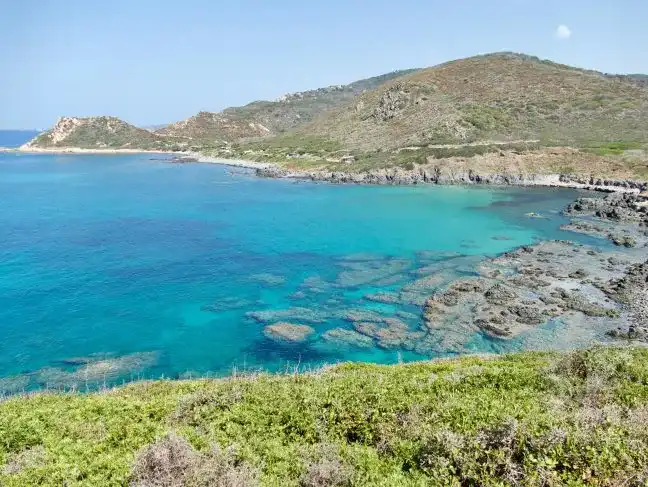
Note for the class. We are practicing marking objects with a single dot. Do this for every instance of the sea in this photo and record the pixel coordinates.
(122, 267)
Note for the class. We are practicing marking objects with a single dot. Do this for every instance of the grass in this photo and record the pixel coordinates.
(613, 148)
(525, 419)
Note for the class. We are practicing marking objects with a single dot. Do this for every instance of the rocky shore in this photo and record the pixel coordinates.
(553, 293)
(423, 174)
(28, 149)
(581, 286)
(435, 175)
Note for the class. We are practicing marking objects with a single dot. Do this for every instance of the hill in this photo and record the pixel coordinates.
(263, 118)
(502, 96)
(533, 419)
(496, 114)
(98, 133)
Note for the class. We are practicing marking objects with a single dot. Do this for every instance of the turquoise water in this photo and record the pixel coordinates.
(115, 267)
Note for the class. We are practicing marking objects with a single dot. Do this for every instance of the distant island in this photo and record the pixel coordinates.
(501, 117)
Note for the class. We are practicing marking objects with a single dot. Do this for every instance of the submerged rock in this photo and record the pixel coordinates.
(367, 272)
(100, 370)
(391, 333)
(288, 332)
(290, 314)
(228, 304)
(383, 297)
(13, 384)
(268, 280)
(348, 337)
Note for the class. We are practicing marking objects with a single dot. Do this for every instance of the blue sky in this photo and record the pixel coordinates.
(152, 62)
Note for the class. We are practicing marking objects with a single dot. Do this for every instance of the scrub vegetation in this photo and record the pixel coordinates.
(533, 418)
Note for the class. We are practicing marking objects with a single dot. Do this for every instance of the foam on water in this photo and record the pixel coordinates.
(115, 264)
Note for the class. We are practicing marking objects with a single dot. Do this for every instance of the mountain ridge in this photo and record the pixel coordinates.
(506, 103)
(500, 96)
(262, 118)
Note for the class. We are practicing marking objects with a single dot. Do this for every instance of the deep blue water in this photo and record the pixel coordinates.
(16, 138)
(123, 266)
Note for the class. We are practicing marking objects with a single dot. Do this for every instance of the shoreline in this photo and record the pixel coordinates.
(78, 150)
(433, 175)
(389, 176)
(182, 156)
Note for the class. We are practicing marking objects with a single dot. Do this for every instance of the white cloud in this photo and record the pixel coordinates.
(563, 32)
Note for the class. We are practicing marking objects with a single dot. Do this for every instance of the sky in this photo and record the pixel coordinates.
(158, 61)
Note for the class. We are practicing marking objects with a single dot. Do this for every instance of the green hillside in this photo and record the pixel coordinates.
(264, 118)
(99, 133)
(530, 419)
(501, 97)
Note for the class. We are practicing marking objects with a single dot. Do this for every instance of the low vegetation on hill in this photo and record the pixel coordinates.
(502, 96)
(267, 118)
(470, 109)
(100, 133)
(534, 419)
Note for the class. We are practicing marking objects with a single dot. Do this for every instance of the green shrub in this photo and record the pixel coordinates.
(532, 419)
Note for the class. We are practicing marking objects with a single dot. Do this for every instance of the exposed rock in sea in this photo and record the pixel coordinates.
(440, 174)
(288, 332)
(619, 207)
(632, 332)
(528, 290)
(621, 218)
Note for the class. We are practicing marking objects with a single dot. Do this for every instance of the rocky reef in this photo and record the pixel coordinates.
(288, 332)
(621, 218)
(584, 293)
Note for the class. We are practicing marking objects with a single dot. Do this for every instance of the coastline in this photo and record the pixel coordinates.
(198, 157)
(183, 156)
(434, 175)
(429, 174)
(78, 150)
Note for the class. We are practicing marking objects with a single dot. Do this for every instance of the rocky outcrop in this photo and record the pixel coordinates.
(632, 291)
(525, 288)
(392, 102)
(617, 207)
(432, 174)
(621, 218)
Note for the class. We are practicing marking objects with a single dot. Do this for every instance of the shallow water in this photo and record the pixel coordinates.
(121, 266)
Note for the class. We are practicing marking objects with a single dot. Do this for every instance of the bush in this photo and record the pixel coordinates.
(327, 471)
(172, 462)
(531, 419)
